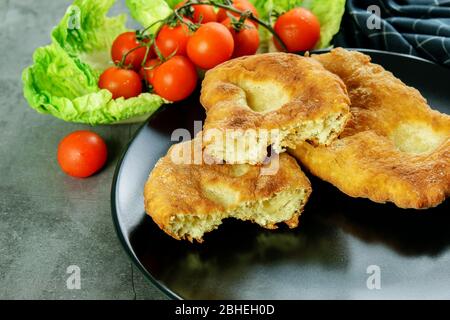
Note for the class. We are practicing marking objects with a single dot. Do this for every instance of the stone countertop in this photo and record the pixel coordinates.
(48, 221)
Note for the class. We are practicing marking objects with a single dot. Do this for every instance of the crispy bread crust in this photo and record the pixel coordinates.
(180, 189)
(395, 148)
(310, 92)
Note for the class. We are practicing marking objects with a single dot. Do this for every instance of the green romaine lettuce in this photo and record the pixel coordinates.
(173, 3)
(147, 12)
(63, 79)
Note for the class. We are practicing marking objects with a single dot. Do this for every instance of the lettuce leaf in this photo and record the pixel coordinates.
(147, 12)
(63, 79)
(329, 13)
(173, 3)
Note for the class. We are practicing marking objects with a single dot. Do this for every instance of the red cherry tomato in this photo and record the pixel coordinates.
(148, 70)
(299, 29)
(173, 39)
(123, 44)
(176, 79)
(121, 82)
(202, 13)
(241, 5)
(210, 45)
(82, 154)
(246, 41)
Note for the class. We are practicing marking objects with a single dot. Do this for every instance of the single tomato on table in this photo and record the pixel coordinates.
(173, 40)
(210, 45)
(246, 38)
(299, 29)
(203, 13)
(175, 79)
(121, 83)
(82, 154)
(125, 43)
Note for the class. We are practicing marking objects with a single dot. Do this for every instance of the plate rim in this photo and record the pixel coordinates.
(115, 217)
(114, 212)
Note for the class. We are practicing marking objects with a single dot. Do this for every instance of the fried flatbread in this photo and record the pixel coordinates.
(394, 149)
(189, 200)
(292, 97)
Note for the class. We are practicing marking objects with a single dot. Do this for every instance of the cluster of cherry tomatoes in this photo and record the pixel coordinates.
(171, 63)
(167, 63)
(197, 36)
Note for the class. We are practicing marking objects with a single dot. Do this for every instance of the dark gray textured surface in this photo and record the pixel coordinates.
(49, 221)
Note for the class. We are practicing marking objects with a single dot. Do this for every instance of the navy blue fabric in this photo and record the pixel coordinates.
(416, 27)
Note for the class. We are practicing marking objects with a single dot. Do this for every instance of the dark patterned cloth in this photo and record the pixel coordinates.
(416, 27)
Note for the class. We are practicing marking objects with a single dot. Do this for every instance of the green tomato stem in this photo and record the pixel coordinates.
(230, 8)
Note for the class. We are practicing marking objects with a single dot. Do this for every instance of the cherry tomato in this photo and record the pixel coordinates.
(173, 39)
(246, 41)
(299, 29)
(123, 44)
(121, 82)
(210, 45)
(148, 70)
(82, 154)
(241, 5)
(175, 79)
(202, 13)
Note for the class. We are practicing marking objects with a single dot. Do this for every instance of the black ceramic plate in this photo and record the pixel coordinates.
(327, 257)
